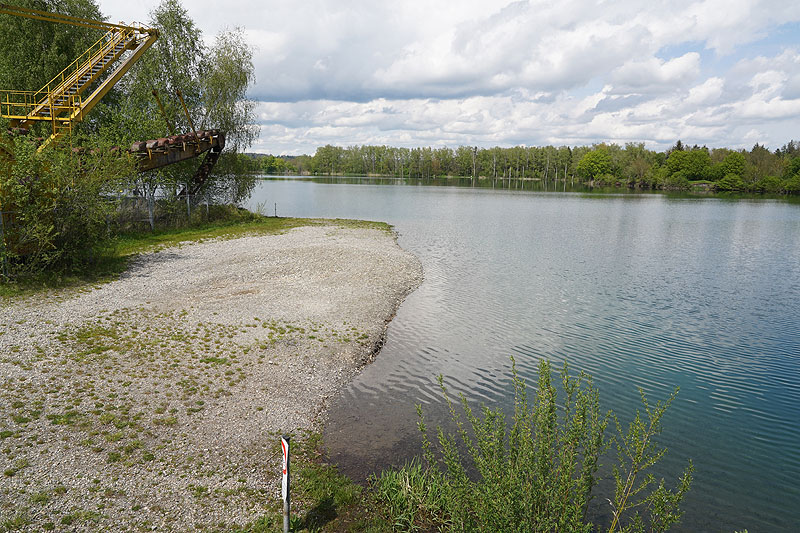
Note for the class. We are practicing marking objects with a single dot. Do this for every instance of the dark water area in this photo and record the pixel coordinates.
(647, 291)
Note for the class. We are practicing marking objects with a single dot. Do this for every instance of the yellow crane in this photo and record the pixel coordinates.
(62, 101)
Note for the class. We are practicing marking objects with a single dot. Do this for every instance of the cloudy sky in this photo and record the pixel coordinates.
(497, 73)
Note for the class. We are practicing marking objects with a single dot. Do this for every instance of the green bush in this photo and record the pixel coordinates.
(731, 182)
(677, 181)
(537, 475)
(769, 184)
(792, 185)
(606, 180)
(56, 214)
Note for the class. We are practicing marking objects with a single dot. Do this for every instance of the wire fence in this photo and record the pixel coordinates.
(137, 211)
(6, 219)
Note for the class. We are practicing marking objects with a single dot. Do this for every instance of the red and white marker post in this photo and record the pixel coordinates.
(285, 482)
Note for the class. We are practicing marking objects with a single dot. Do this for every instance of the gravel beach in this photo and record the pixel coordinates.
(154, 402)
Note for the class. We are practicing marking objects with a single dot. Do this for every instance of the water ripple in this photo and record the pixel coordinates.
(643, 292)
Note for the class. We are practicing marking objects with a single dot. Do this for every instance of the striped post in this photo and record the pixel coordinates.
(285, 482)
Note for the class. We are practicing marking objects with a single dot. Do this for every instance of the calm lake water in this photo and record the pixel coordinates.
(640, 290)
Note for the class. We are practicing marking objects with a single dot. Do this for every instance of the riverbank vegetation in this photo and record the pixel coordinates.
(64, 206)
(539, 473)
(681, 167)
(112, 258)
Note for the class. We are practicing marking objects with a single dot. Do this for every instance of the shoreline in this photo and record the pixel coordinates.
(155, 401)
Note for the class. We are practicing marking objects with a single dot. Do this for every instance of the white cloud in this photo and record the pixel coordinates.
(487, 72)
(768, 109)
(656, 75)
(706, 93)
(791, 89)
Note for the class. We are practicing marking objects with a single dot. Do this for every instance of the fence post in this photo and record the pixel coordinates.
(3, 253)
(285, 483)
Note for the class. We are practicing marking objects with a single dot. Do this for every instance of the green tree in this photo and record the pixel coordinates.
(769, 184)
(637, 162)
(694, 164)
(227, 74)
(61, 201)
(327, 160)
(34, 51)
(733, 164)
(463, 161)
(792, 168)
(762, 163)
(792, 185)
(676, 181)
(213, 84)
(731, 182)
(273, 165)
(594, 164)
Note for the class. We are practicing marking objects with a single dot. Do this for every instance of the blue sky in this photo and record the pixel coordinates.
(478, 72)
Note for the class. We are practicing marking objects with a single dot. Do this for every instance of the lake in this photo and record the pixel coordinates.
(646, 291)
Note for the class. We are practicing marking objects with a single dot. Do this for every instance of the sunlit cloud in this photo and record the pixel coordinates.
(502, 73)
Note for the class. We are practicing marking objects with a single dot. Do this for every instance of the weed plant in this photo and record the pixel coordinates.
(539, 473)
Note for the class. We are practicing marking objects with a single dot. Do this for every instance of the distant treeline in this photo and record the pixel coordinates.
(634, 166)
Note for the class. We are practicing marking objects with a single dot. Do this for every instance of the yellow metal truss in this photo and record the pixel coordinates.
(61, 101)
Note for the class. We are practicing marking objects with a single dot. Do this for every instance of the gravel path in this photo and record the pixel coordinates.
(154, 402)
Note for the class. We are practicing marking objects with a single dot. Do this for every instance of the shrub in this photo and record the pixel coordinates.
(606, 180)
(731, 182)
(56, 214)
(537, 475)
(792, 185)
(769, 184)
(677, 181)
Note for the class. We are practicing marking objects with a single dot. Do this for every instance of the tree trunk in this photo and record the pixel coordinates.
(546, 170)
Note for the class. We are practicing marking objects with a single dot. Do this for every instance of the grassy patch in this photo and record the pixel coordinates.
(14, 523)
(359, 224)
(19, 464)
(113, 259)
(130, 244)
(322, 498)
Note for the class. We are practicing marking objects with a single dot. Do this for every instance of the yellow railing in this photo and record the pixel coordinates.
(83, 64)
(28, 105)
(59, 101)
(53, 100)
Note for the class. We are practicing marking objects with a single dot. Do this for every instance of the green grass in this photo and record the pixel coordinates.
(130, 244)
(322, 498)
(114, 258)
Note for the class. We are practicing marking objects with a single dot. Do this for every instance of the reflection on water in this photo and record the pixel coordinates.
(647, 291)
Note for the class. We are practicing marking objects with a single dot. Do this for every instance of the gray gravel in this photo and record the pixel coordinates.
(154, 402)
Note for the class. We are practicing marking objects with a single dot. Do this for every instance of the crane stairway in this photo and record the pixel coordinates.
(116, 42)
(61, 101)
